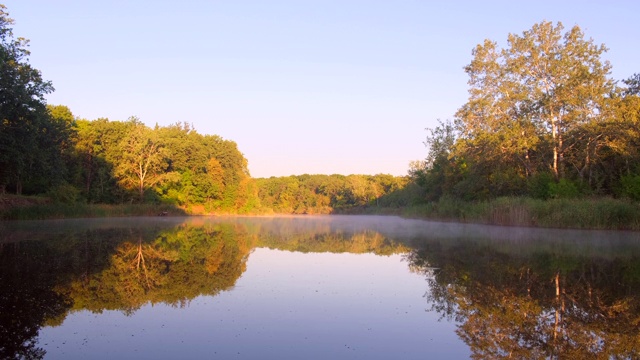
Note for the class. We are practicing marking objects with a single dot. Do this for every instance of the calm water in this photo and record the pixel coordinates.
(339, 287)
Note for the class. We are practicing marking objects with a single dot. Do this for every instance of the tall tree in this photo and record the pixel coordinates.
(528, 96)
(97, 151)
(142, 158)
(23, 116)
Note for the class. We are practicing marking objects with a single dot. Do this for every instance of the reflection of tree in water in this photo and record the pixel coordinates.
(27, 299)
(173, 268)
(335, 242)
(110, 269)
(541, 305)
(99, 269)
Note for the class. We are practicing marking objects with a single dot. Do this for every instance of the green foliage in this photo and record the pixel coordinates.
(81, 210)
(539, 185)
(32, 140)
(630, 186)
(577, 213)
(543, 119)
(632, 85)
(64, 194)
(323, 194)
(45, 149)
(563, 189)
(122, 162)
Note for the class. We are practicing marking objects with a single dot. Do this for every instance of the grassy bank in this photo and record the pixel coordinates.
(67, 211)
(588, 213)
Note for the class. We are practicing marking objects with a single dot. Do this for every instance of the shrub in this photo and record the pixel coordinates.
(563, 189)
(630, 186)
(64, 194)
(539, 186)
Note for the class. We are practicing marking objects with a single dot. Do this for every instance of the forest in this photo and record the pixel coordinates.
(544, 120)
(46, 150)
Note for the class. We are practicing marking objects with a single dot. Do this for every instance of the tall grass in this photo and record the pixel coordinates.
(587, 213)
(66, 211)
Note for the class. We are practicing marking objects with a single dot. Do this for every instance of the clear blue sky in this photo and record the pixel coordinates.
(317, 87)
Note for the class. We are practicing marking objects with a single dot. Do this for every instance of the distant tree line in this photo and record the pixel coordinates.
(322, 194)
(544, 119)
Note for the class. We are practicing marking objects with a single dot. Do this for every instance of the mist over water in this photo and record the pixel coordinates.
(314, 287)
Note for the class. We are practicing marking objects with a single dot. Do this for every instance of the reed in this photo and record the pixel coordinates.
(585, 213)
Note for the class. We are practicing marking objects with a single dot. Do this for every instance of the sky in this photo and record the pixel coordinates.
(303, 87)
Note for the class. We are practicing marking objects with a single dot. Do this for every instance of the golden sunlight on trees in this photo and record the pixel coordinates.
(534, 92)
(142, 158)
(543, 119)
(216, 176)
(542, 304)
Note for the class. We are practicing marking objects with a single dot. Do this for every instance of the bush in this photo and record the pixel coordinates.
(563, 189)
(539, 186)
(64, 194)
(630, 186)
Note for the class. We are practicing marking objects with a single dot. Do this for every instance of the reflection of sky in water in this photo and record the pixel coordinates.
(286, 305)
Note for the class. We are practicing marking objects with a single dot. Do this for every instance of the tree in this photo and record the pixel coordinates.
(434, 173)
(23, 116)
(215, 177)
(142, 158)
(96, 152)
(525, 98)
(633, 85)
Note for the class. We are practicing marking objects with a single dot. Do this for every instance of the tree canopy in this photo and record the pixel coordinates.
(31, 138)
(543, 118)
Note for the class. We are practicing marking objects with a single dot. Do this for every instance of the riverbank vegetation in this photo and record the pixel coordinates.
(579, 213)
(546, 138)
(544, 119)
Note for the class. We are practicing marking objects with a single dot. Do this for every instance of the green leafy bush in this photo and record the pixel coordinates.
(563, 189)
(539, 186)
(64, 194)
(630, 186)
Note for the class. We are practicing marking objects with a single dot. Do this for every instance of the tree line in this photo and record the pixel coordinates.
(544, 119)
(323, 194)
(45, 149)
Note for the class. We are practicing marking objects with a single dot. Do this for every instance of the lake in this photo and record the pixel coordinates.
(314, 287)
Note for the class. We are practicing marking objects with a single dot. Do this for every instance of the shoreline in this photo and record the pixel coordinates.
(583, 213)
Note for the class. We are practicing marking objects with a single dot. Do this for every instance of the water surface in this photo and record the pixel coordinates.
(314, 287)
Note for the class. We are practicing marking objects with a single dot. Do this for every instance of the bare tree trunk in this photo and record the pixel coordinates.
(89, 168)
(554, 135)
(560, 156)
